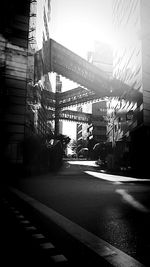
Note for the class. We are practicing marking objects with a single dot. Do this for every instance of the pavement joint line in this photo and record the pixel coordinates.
(103, 249)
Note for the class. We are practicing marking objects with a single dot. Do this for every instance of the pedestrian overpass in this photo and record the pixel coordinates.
(94, 83)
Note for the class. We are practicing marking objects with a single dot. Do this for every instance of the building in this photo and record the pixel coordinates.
(42, 34)
(130, 121)
(39, 32)
(102, 57)
(17, 47)
(14, 29)
(81, 129)
(98, 127)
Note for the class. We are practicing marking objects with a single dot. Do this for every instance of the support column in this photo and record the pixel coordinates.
(57, 109)
(56, 114)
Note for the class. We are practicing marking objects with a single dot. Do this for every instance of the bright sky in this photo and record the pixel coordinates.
(76, 24)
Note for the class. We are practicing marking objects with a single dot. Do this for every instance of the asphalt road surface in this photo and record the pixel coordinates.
(114, 208)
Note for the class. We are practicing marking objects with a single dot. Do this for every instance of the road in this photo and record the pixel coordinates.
(114, 208)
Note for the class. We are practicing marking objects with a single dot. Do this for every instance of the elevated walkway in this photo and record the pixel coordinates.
(54, 57)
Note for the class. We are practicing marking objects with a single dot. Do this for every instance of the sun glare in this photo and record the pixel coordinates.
(77, 27)
(81, 36)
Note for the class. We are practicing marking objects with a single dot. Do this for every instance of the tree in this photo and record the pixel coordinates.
(73, 145)
(76, 146)
(64, 139)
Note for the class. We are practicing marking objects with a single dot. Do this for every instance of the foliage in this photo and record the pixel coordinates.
(76, 146)
(73, 145)
(100, 151)
(64, 139)
(39, 156)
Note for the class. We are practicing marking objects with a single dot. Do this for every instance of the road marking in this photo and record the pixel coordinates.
(132, 201)
(101, 248)
(115, 178)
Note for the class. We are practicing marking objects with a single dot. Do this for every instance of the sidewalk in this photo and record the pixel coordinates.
(22, 244)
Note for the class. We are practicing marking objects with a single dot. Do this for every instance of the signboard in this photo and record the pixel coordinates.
(70, 115)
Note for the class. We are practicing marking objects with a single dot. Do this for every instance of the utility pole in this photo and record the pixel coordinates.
(57, 109)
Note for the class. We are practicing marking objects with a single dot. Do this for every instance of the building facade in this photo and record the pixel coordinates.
(101, 57)
(82, 128)
(39, 32)
(14, 29)
(17, 46)
(98, 127)
(130, 121)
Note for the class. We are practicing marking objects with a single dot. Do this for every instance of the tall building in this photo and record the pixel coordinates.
(130, 121)
(42, 34)
(98, 127)
(43, 22)
(102, 57)
(82, 128)
(17, 46)
(39, 25)
(79, 127)
(14, 30)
